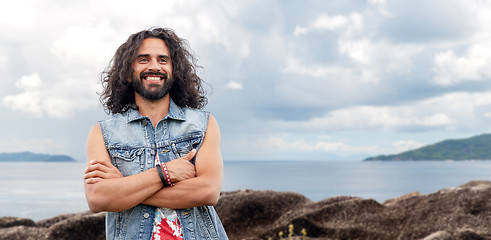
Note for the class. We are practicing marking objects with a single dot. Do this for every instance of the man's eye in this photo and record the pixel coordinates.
(163, 60)
(143, 60)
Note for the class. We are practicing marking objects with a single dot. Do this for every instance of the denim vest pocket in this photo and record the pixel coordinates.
(127, 160)
(184, 144)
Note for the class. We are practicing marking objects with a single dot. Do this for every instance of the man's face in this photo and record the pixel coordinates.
(152, 70)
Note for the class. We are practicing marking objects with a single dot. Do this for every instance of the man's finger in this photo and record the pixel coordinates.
(93, 180)
(189, 156)
(95, 173)
(95, 167)
(103, 162)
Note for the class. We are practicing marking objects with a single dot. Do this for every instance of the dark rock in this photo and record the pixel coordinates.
(81, 226)
(46, 223)
(78, 227)
(250, 213)
(6, 222)
(462, 212)
(22, 233)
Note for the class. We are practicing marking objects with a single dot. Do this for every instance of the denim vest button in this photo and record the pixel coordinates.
(152, 152)
(146, 215)
(144, 122)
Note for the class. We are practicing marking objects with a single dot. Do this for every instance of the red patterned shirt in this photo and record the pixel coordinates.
(166, 225)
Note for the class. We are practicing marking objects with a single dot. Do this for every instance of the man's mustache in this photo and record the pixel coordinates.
(144, 74)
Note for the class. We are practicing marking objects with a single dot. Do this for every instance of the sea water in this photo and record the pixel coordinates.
(43, 190)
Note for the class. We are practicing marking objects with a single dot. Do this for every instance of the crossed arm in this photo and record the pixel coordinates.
(195, 185)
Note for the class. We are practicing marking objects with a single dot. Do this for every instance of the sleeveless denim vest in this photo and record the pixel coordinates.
(132, 143)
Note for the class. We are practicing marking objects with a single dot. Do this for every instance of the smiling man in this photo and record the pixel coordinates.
(155, 165)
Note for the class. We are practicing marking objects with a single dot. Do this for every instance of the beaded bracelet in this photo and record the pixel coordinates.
(167, 175)
(162, 176)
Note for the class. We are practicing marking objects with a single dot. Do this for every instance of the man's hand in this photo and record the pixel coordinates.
(181, 169)
(99, 170)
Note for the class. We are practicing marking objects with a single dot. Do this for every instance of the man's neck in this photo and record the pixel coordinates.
(155, 110)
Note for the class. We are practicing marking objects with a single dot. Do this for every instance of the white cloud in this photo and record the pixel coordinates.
(29, 81)
(235, 85)
(60, 100)
(87, 44)
(325, 85)
(294, 66)
(331, 72)
(359, 50)
(380, 56)
(468, 59)
(349, 23)
(28, 101)
(372, 61)
(451, 69)
(213, 24)
(9, 13)
(372, 58)
(300, 31)
(25, 102)
(330, 22)
(381, 7)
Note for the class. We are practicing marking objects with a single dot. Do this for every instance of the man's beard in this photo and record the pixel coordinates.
(158, 91)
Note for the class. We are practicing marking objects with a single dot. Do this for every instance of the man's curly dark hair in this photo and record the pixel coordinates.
(118, 95)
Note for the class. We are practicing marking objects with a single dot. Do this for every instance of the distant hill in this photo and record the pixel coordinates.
(34, 157)
(473, 148)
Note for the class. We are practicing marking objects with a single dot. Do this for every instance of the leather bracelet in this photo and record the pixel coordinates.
(167, 175)
(162, 176)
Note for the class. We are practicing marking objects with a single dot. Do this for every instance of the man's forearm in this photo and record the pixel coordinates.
(189, 193)
(118, 194)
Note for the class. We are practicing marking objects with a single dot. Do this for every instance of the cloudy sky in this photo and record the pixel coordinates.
(323, 80)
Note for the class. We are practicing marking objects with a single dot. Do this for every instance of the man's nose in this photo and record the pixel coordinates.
(154, 66)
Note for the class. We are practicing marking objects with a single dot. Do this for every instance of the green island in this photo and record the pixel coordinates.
(34, 157)
(473, 148)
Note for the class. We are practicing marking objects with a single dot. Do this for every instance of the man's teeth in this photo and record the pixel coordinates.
(153, 78)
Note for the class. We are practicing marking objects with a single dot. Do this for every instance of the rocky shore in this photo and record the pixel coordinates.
(463, 212)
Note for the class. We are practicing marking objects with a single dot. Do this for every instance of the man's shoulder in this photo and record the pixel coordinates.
(195, 114)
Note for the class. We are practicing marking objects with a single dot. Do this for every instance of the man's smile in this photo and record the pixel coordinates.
(153, 79)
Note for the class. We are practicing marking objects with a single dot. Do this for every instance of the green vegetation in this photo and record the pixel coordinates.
(34, 157)
(473, 148)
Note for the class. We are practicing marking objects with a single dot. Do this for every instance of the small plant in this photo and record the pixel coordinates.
(291, 232)
(304, 233)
